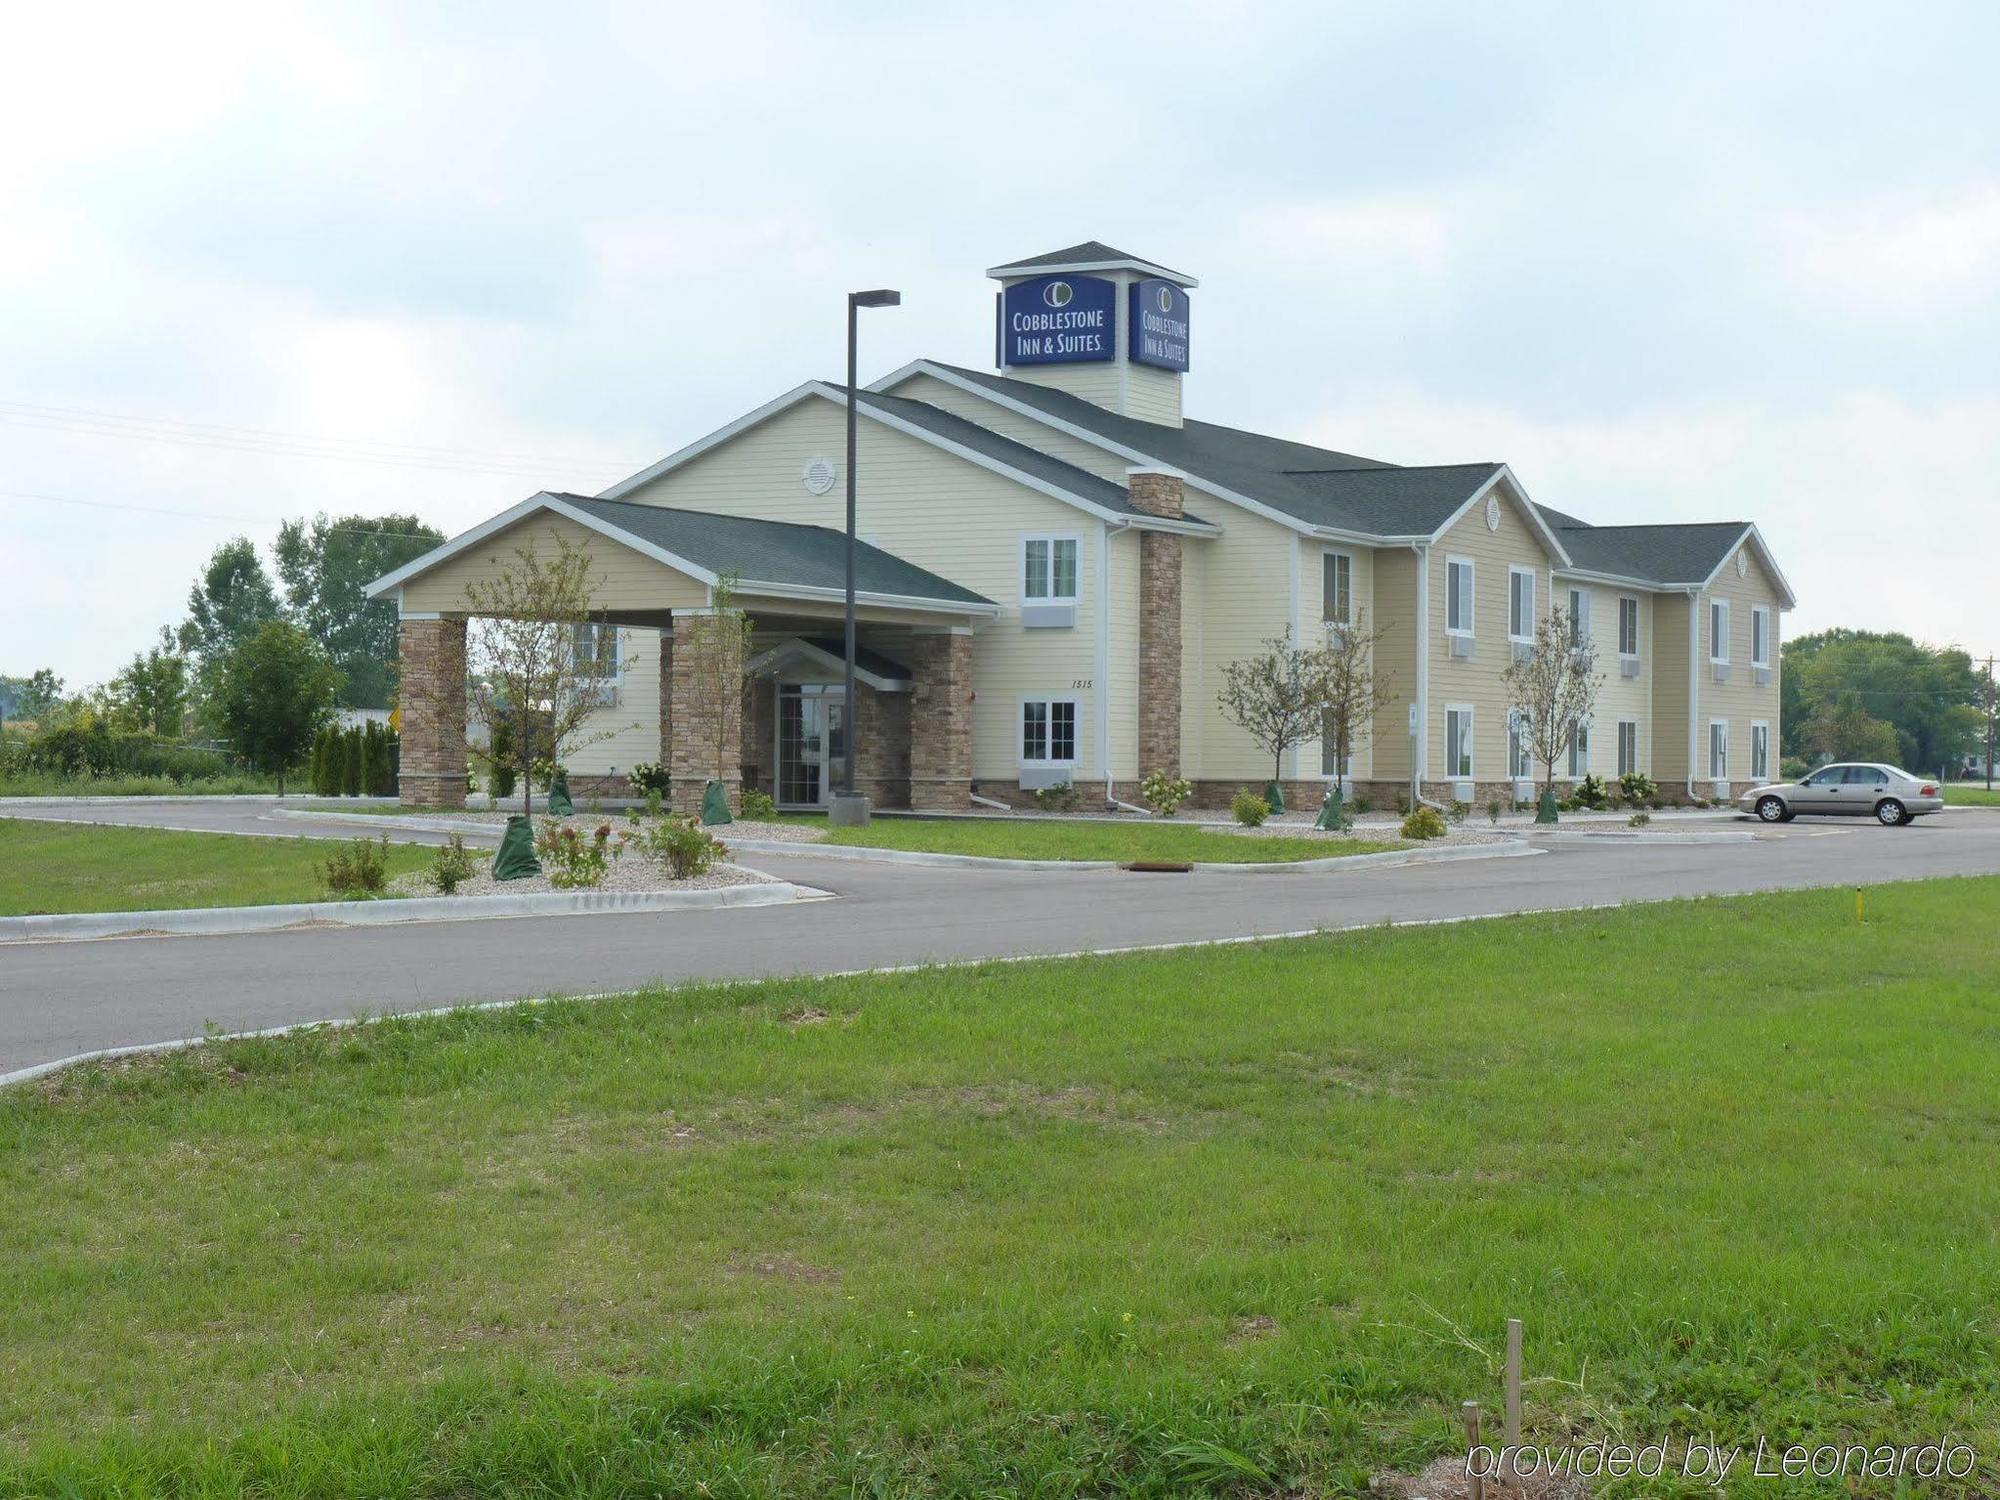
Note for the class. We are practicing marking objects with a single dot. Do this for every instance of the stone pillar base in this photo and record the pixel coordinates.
(430, 695)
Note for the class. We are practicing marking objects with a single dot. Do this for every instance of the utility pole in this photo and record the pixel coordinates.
(1989, 722)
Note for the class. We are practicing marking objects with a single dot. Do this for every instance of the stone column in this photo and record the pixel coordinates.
(1160, 493)
(666, 756)
(941, 722)
(692, 707)
(431, 699)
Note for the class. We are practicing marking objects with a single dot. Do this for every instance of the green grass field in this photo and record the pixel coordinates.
(1044, 839)
(1243, 1220)
(1970, 794)
(40, 784)
(67, 867)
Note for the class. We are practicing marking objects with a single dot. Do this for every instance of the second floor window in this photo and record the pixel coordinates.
(1628, 626)
(1520, 604)
(1458, 596)
(1760, 637)
(1579, 616)
(1718, 630)
(1337, 606)
(1048, 571)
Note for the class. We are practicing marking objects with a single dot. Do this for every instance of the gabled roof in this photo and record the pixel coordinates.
(778, 557)
(1689, 555)
(1392, 502)
(1091, 255)
(1030, 466)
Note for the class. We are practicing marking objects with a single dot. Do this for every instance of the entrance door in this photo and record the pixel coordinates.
(812, 743)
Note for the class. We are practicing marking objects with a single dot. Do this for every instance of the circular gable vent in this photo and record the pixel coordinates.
(817, 476)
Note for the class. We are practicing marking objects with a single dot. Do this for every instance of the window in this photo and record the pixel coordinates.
(1458, 595)
(1760, 638)
(1628, 625)
(1628, 746)
(1760, 751)
(1458, 740)
(1520, 763)
(1520, 604)
(1579, 616)
(1327, 754)
(1831, 776)
(1337, 597)
(1048, 731)
(1048, 568)
(1718, 631)
(1579, 752)
(1718, 750)
(594, 648)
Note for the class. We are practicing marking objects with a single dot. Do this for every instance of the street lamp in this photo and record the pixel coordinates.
(847, 807)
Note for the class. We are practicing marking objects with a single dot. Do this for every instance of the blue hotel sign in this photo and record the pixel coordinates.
(1158, 324)
(1058, 320)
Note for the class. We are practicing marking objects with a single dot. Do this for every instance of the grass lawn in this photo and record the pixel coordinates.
(1970, 794)
(1212, 1221)
(39, 784)
(1048, 839)
(63, 867)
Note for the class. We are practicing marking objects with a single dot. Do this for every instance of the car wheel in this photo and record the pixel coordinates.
(1890, 813)
(1771, 809)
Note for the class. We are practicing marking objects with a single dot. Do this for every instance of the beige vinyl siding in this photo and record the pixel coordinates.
(1670, 688)
(1195, 554)
(1618, 697)
(1361, 593)
(1477, 681)
(1246, 600)
(1394, 586)
(1011, 424)
(623, 579)
(1122, 692)
(943, 513)
(630, 727)
(1096, 383)
(1153, 394)
(1739, 700)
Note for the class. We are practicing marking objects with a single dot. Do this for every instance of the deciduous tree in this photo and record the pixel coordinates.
(1353, 693)
(274, 693)
(1551, 688)
(324, 566)
(1277, 697)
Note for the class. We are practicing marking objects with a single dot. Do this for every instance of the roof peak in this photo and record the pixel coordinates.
(1087, 255)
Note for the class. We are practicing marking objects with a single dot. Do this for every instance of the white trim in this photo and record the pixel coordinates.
(1756, 538)
(1619, 757)
(1535, 521)
(1760, 624)
(1050, 700)
(1719, 632)
(1077, 267)
(1103, 607)
(1471, 628)
(1468, 742)
(1527, 637)
(1582, 621)
(1324, 553)
(1765, 726)
(701, 445)
(797, 647)
(1638, 632)
(1713, 774)
(1021, 569)
(862, 596)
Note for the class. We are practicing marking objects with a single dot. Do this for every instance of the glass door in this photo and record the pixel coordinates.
(812, 743)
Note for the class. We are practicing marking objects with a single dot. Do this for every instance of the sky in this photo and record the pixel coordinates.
(1671, 262)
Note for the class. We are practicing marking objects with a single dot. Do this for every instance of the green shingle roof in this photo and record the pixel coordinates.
(1654, 554)
(780, 552)
(1090, 252)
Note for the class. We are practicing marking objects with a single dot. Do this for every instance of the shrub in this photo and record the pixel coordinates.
(1250, 808)
(649, 776)
(1638, 786)
(500, 782)
(1591, 792)
(358, 868)
(683, 846)
(1058, 798)
(1359, 803)
(1494, 807)
(1458, 812)
(450, 867)
(655, 800)
(759, 806)
(1792, 768)
(1424, 823)
(1164, 793)
(1640, 819)
(571, 860)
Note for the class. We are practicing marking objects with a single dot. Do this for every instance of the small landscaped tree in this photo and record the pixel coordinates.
(538, 653)
(1277, 697)
(1353, 693)
(1551, 688)
(274, 693)
(714, 645)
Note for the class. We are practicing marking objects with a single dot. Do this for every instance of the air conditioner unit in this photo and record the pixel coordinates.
(1721, 669)
(1461, 791)
(1461, 646)
(1524, 791)
(1719, 791)
(1523, 650)
(1628, 666)
(1763, 677)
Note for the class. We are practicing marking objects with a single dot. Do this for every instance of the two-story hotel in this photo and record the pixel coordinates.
(1058, 566)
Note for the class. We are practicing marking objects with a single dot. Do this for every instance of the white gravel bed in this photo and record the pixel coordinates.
(628, 874)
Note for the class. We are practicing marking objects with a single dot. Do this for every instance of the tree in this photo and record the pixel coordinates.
(324, 565)
(152, 692)
(1277, 696)
(1552, 689)
(273, 694)
(1846, 731)
(228, 603)
(32, 697)
(537, 644)
(715, 643)
(1932, 697)
(1353, 694)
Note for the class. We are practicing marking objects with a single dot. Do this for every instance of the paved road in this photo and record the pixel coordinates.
(59, 999)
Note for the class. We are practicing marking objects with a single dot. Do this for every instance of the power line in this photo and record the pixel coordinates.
(199, 515)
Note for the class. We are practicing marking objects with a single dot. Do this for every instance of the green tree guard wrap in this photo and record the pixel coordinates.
(1330, 817)
(1274, 796)
(1545, 810)
(516, 859)
(558, 799)
(715, 804)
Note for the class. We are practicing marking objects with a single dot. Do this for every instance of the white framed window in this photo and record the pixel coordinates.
(1760, 637)
(1337, 588)
(1628, 746)
(1628, 625)
(1048, 569)
(1328, 756)
(1520, 604)
(1520, 762)
(1579, 616)
(595, 648)
(1718, 749)
(1579, 751)
(1048, 731)
(1458, 740)
(1760, 750)
(1718, 631)
(1458, 595)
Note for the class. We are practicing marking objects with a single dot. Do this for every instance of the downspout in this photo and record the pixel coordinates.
(1420, 741)
(1105, 531)
(1694, 684)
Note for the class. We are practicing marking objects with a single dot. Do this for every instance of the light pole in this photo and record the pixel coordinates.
(847, 807)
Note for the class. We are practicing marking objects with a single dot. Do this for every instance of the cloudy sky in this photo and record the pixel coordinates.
(1671, 262)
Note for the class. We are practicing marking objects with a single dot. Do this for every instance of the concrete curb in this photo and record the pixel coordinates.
(416, 822)
(867, 854)
(219, 920)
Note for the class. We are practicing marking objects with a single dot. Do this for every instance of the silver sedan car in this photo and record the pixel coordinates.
(1887, 794)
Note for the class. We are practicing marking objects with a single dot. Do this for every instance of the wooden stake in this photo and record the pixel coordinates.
(1470, 1413)
(1513, 1421)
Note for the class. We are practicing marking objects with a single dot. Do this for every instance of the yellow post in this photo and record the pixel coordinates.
(1860, 913)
